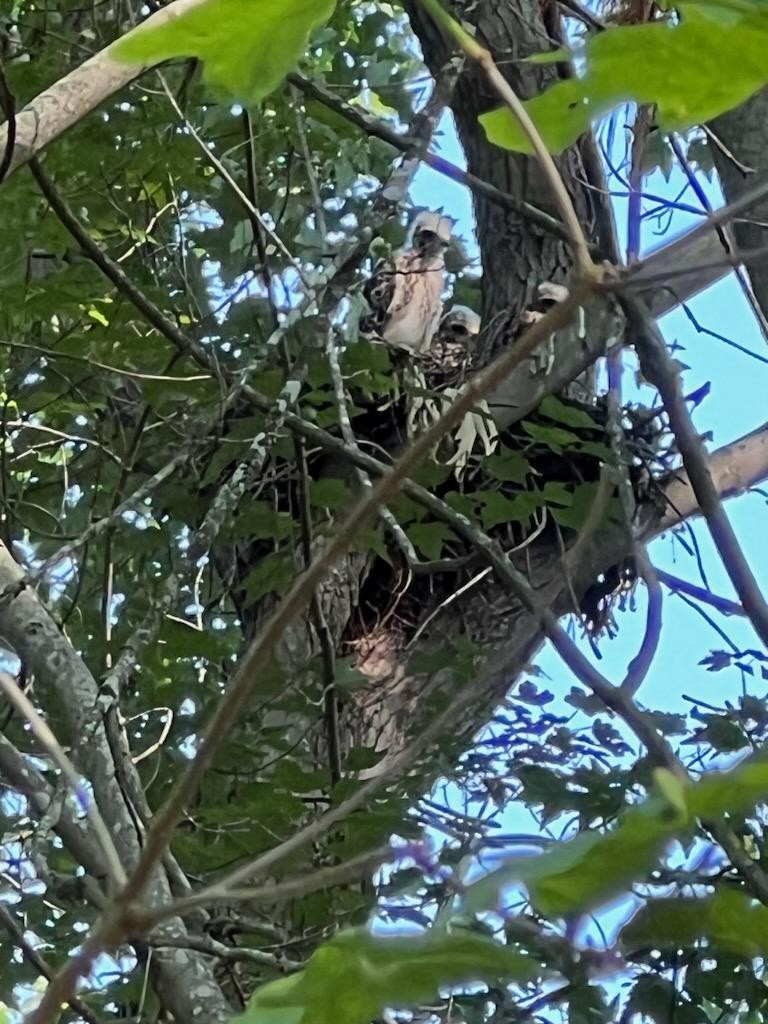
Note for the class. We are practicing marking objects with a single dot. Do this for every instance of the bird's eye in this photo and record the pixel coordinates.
(427, 236)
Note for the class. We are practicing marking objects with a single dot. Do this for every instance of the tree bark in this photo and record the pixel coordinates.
(742, 160)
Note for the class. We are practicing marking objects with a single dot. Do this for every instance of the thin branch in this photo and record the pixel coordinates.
(52, 353)
(725, 241)
(353, 870)
(701, 329)
(9, 921)
(660, 370)
(48, 805)
(574, 9)
(408, 144)
(101, 525)
(479, 53)
(53, 748)
(677, 253)
(230, 182)
(229, 954)
(114, 272)
(640, 665)
(680, 586)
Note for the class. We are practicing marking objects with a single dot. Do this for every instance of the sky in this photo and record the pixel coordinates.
(734, 407)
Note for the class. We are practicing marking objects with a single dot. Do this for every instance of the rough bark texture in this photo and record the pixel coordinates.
(516, 256)
(742, 134)
(184, 979)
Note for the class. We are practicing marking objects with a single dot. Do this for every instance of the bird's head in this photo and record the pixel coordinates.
(430, 233)
(460, 323)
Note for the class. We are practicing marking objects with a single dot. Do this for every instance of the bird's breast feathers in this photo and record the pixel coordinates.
(414, 312)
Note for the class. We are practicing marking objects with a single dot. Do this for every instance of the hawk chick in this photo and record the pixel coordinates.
(436, 381)
(451, 351)
(405, 293)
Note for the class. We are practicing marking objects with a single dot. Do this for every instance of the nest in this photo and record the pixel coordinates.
(545, 472)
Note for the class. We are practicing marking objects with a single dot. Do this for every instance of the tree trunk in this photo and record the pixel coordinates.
(741, 161)
(516, 256)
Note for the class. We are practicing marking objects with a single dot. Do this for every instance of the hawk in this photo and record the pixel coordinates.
(405, 293)
(435, 382)
(450, 354)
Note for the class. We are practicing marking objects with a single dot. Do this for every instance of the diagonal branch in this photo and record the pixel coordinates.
(298, 597)
(409, 144)
(470, 46)
(660, 370)
(15, 930)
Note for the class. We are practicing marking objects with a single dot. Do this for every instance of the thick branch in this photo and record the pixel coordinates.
(185, 982)
(68, 101)
(734, 468)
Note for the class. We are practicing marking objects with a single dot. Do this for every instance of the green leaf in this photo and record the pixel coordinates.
(587, 870)
(700, 155)
(429, 538)
(673, 788)
(591, 868)
(734, 792)
(650, 64)
(729, 919)
(329, 493)
(355, 976)
(274, 572)
(553, 437)
(657, 155)
(571, 415)
(582, 501)
(499, 509)
(247, 46)
(507, 464)
(347, 676)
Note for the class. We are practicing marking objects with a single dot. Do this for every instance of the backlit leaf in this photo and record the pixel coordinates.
(355, 976)
(692, 71)
(247, 46)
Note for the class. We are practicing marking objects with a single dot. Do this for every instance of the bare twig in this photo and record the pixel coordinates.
(53, 748)
(660, 370)
(15, 930)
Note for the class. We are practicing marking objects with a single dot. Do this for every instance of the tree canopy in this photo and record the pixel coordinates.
(273, 590)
